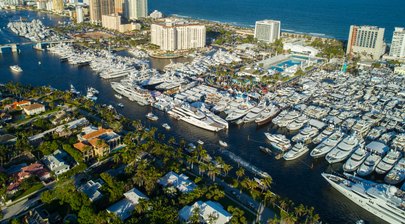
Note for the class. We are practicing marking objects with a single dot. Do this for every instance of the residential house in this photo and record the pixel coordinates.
(91, 189)
(34, 109)
(102, 142)
(209, 212)
(35, 169)
(56, 162)
(42, 216)
(17, 105)
(124, 208)
(181, 182)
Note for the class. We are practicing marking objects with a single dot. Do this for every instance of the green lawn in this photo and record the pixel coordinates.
(34, 188)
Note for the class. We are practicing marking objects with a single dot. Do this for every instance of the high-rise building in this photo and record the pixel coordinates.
(135, 9)
(267, 30)
(366, 41)
(41, 4)
(98, 8)
(119, 6)
(398, 43)
(178, 35)
(57, 6)
(79, 14)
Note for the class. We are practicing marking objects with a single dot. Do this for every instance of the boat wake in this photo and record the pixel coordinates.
(245, 164)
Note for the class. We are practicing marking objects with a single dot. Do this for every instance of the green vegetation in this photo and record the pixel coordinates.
(330, 48)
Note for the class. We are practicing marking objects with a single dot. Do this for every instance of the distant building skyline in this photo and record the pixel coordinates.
(98, 8)
(79, 14)
(267, 30)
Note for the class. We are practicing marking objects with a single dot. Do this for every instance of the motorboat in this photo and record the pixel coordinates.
(369, 165)
(152, 117)
(267, 114)
(73, 90)
(223, 144)
(397, 174)
(324, 134)
(166, 126)
(305, 135)
(118, 96)
(16, 68)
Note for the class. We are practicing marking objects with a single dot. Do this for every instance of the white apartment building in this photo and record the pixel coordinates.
(398, 43)
(79, 14)
(268, 30)
(366, 41)
(178, 35)
(135, 9)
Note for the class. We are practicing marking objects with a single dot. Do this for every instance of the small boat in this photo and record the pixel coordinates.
(166, 126)
(223, 144)
(200, 142)
(16, 68)
(120, 105)
(73, 90)
(118, 96)
(39, 62)
(265, 150)
(152, 117)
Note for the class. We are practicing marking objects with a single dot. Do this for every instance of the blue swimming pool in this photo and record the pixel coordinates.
(285, 64)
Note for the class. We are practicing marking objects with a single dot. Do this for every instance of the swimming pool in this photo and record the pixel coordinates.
(285, 64)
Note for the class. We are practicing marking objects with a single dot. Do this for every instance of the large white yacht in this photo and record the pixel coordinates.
(278, 141)
(141, 96)
(327, 145)
(356, 159)
(255, 112)
(388, 162)
(384, 201)
(397, 174)
(377, 150)
(238, 113)
(343, 150)
(297, 151)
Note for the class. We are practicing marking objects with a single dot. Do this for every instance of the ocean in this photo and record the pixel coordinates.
(329, 18)
(299, 180)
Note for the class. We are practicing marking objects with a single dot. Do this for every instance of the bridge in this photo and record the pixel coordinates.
(37, 45)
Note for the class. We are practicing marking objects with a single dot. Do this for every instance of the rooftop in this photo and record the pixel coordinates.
(33, 106)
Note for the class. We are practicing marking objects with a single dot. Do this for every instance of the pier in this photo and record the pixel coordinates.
(14, 47)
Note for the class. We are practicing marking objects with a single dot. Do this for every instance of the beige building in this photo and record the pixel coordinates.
(98, 8)
(178, 35)
(398, 43)
(34, 109)
(119, 6)
(57, 6)
(366, 41)
(400, 70)
(267, 30)
(113, 22)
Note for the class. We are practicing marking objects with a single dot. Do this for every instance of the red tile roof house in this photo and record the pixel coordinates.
(35, 169)
(17, 105)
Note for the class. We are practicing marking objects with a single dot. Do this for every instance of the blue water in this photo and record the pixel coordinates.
(328, 17)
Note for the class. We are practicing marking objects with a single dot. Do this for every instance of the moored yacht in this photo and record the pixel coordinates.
(305, 135)
(388, 162)
(278, 141)
(324, 134)
(397, 174)
(297, 150)
(384, 201)
(16, 68)
(343, 150)
(355, 160)
(327, 145)
(267, 114)
(152, 117)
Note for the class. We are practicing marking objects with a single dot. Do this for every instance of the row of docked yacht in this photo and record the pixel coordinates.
(133, 93)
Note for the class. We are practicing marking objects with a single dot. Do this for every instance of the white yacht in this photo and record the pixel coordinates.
(297, 150)
(91, 94)
(305, 135)
(343, 150)
(388, 162)
(327, 145)
(166, 126)
(278, 141)
(254, 113)
(324, 134)
(223, 144)
(16, 68)
(297, 123)
(384, 201)
(369, 165)
(397, 174)
(139, 95)
(152, 117)
(238, 113)
(267, 114)
(73, 90)
(356, 159)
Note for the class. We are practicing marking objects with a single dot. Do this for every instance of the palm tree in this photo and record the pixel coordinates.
(240, 173)
(266, 183)
(226, 168)
(212, 171)
(191, 160)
